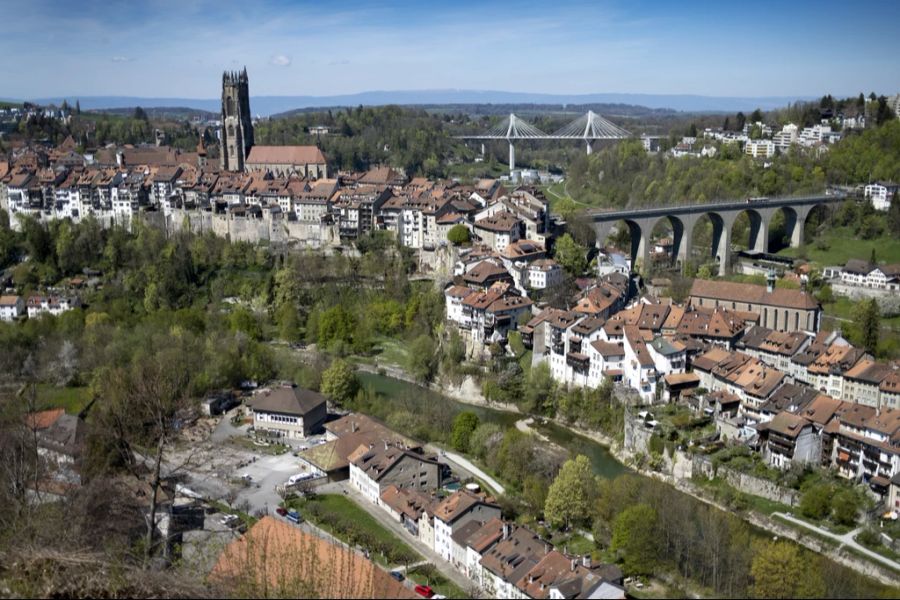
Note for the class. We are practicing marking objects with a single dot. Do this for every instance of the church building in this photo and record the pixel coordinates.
(238, 150)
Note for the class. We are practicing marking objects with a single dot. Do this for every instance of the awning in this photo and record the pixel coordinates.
(843, 456)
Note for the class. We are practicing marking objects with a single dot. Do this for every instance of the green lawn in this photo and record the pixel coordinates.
(348, 522)
(430, 576)
(73, 399)
(575, 543)
(842, 244)
(392, 351)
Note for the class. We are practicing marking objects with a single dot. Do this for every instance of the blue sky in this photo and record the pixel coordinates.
(179, 48)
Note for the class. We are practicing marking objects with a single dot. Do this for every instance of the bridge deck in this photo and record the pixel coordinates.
(616, 215)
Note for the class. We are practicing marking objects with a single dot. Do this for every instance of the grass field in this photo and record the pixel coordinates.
(430, 576)
(73, 399)
(842, 244)
(343, 519)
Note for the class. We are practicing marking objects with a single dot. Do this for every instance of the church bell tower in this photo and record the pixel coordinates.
(237, 129)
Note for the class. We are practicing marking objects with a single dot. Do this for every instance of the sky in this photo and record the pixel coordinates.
(169, 48)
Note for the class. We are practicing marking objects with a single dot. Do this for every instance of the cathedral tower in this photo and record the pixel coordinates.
(237, 129)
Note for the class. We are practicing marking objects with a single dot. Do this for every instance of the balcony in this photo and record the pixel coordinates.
(575, 344)
(559, 348)
(579, 362)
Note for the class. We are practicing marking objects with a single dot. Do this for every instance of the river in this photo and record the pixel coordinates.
(400, 394)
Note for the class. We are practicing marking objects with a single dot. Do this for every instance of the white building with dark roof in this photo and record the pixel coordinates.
(288, 412)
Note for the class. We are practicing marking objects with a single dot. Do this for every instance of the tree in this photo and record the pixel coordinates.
(816, 501)
(422, 359)
(634, 538)
(140, 114)
(866, 320)
(780, 570)
(464, 425)
(459, 234)
(893, 216)
(77, 107)
(571, 493)
(844, 507)
(540, 391)
(339, 382)
(571, 255)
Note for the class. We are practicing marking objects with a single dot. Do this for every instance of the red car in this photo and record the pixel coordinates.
(281, 511)
(424, 591)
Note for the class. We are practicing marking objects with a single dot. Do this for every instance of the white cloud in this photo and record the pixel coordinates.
(121, 59)
(280, 60)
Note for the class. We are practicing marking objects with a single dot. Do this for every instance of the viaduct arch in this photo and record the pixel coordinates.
(683, 220)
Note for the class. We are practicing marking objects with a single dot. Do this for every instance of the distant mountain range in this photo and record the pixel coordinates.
(270, 105)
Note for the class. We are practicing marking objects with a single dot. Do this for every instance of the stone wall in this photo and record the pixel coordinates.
(744, 482)
(247, 229)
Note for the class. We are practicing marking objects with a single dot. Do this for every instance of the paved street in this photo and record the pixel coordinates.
(846, 539)
(385, 520)
(462, 465)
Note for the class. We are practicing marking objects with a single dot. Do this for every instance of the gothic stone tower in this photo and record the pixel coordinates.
(237, 130)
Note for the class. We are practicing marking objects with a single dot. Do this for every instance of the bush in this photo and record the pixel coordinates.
(869, 537)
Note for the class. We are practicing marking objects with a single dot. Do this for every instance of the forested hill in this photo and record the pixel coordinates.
(624, 175)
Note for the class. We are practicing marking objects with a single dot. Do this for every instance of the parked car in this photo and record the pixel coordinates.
(424, 590)
(294, 517)
(398, 575)
(281, 511)
(229, 520)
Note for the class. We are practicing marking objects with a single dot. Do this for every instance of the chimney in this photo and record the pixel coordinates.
(120, 159)
(505, 530)
(586, 561)
(770, 281)
(574, 562)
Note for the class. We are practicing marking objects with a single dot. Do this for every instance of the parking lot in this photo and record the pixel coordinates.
(228, 467)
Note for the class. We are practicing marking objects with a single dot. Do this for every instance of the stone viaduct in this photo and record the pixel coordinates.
(683, 219)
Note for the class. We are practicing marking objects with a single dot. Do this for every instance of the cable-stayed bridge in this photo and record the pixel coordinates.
(588, 127)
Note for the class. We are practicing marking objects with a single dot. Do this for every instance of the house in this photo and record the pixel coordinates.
(455, 511)
(406, 505)
(374, 467)
(482, 540)
(517, 553)
(11, 307)
(557, 575)
(38, 305)
(881, 194)
(486, 273)
(343, 436)
(499, 230)
(867, 444)
(288, 412)
(276, 555)
(789, 439)
(864, 274)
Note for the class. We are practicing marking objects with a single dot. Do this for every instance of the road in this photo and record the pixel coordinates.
(385, 520)
(463, 464)
(846, 539)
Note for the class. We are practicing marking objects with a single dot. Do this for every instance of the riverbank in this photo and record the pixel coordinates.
(469, 394)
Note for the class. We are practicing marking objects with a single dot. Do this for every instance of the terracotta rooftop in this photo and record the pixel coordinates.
(285, 155)
(755, 294)
(276, 556)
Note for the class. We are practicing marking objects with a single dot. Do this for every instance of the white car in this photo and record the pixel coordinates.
(228, 520)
